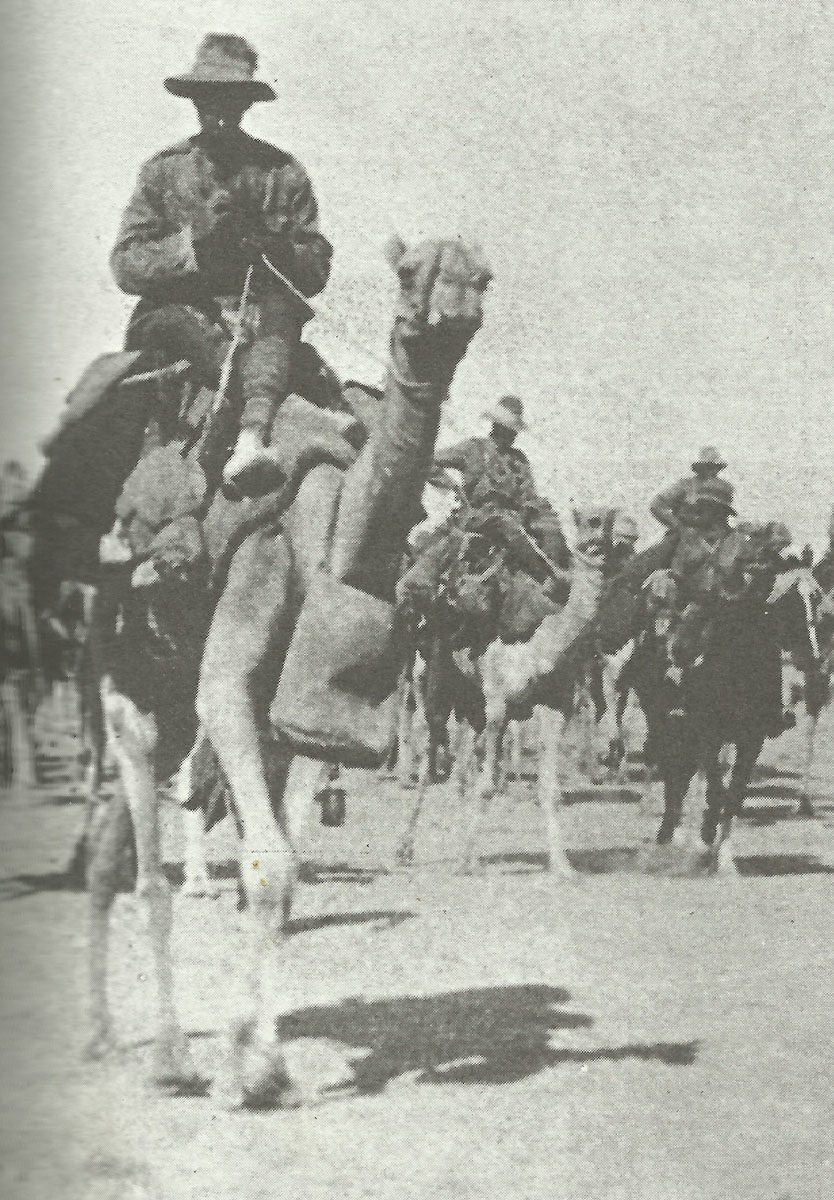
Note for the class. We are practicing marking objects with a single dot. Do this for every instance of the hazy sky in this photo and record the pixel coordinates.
(651, 180)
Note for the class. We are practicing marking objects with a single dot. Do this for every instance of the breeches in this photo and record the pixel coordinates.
(261, 378)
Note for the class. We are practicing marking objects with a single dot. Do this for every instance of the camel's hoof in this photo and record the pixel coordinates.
(405, 854)
(472, 867)
(680, 838)
(805, 808)
(562, 872)
(256, 1078)
(172, 1069)
(199, 887)
(101, 1044)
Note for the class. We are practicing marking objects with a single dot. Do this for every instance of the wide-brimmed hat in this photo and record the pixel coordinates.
(508, 412)
(223, 60)
(709, 456)
(717, 491)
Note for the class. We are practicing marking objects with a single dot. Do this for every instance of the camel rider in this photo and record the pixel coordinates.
(497, 482)
(672, 506)
(499, 496)
(711, 564)
(202, 212)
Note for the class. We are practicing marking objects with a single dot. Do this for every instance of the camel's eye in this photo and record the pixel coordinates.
(594, 522)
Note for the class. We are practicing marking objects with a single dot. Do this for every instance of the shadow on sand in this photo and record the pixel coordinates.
(479, 1035)
(783, 864)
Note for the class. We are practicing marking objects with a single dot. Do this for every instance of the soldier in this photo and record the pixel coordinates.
(499, 495)
(203, 212)
(672, 507)
(494, 470)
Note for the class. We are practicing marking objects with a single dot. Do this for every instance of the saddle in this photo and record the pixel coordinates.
(147, 447)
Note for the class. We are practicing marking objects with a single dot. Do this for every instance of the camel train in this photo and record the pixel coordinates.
(223, 647)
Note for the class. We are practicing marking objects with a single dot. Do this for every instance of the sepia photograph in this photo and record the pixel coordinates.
(417, 600)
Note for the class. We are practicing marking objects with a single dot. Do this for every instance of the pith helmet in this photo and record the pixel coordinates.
(509, 413)
(717, 491)
(709, 456)
(223, 60)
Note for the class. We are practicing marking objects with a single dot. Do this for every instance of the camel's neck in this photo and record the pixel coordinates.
(421, 364)
(381, 495)
(557, 632)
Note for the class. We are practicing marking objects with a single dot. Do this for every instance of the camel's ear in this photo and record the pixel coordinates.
(395, 249)
(577, 516)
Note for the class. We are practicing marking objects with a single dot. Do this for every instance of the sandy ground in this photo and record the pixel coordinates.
(633, 1036)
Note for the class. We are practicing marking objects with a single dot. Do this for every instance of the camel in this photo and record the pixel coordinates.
(725, 700)
(514, 679)
(348, 525)
(817, 690)
(19, 665)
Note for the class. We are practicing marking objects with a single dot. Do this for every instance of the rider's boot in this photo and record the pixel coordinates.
(252, 467)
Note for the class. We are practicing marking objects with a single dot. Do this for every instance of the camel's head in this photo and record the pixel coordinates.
(440, 309)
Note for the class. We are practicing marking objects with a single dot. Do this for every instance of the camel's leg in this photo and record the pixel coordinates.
(551, 733)
(411, 731)
(132, 737)
(405, 849)
(805, 807)
(715, 794)
(620, 706)
(251, 623)
(488, 750)
(196, 880)
(675, 787)
(586, 731)
(22, 754)
(399, 763)
(512, 756)
(464, 754)
(747, 755)
(108, 836)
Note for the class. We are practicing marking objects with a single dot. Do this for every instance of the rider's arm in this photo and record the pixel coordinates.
(149, 250)
(293, 240)
(667, 504)
(458, 457)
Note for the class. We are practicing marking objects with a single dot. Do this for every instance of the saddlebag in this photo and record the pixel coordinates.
(339, 680)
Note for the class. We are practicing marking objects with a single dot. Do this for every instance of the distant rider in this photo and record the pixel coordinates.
(672, 506)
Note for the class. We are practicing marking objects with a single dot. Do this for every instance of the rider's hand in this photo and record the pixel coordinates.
(258, 241)
(218, 230)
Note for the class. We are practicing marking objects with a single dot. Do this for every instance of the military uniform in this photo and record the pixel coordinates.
(492, 474)
(183, 297)
(500, 495)
(673, 505)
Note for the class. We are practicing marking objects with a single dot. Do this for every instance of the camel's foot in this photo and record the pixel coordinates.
(172, 1069)
(725, 863)
(718, 860)
(102, 1042)
(471, 864)
(405, 852)
(200, 886)
(559, 868)
(805, 808)
(680, 837)
(254, 1075)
